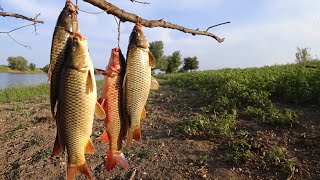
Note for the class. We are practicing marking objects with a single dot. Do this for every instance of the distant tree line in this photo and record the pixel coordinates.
(171, 63)
(19, 63)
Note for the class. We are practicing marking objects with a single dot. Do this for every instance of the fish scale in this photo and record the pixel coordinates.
(76, 111)
(138, 79)
(61, 41)
(111, 101)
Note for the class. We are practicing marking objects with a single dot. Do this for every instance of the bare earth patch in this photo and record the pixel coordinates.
(27, 134)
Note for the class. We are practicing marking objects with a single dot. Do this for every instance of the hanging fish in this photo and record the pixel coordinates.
(67, 22)
(111, 101)
(137, 81)
(76, 108)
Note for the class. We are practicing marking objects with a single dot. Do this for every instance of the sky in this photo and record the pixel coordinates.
(260, 33)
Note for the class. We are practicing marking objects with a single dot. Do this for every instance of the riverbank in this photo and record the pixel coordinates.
(6, 69)
(18, 94)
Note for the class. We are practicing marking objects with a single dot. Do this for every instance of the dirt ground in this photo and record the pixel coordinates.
(27, 134)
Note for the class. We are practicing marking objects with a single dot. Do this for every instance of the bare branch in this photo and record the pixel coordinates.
(8, 33)
(125, 16)
(217, 25)
(139, 2)
(4, 14)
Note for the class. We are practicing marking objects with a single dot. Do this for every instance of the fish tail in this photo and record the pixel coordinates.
(73, 171)
(116, 158)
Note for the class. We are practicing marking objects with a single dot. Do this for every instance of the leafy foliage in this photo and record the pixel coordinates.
(303, 55)
(45, 68)
(174, 61)
(32, 66)
(254, 92)
(190, 63)
(156, 49)
(18, 63)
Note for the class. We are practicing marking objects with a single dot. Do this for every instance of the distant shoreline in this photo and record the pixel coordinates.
(6, 69)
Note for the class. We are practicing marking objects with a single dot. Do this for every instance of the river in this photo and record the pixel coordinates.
(12, 79)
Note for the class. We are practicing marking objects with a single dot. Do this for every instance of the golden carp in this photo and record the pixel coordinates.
(67, 22)
(76, 106)
(111, 102)
(137, 81)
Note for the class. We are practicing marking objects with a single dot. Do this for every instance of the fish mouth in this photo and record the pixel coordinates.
(71, 6)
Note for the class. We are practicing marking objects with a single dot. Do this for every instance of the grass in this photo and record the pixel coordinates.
(17, 94)
(254, 92)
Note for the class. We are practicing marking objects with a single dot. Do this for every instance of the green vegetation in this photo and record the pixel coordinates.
(19, 64)
(254, 92)
(303, 55)
(171, 63)
(190, 63)
(15, 94)
(24, 93)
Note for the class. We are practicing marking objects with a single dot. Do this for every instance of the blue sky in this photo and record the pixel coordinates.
(261, 32)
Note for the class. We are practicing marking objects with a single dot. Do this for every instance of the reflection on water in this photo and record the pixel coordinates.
(12, 79)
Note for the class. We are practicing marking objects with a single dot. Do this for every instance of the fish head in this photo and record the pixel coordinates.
(116, 61)
(137, 37)
(79, 52)
(68, 15)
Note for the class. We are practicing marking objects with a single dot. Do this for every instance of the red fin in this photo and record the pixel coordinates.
(101, 100)
(89, 148)
(143, 113)
(137, 134)
(114, 159)
(104, 137)
(73, 171)
(58, 147)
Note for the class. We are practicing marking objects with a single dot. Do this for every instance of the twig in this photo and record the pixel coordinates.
(125, 16)
(4, 14)
(139, 2)
(217, 25)
(8, 33)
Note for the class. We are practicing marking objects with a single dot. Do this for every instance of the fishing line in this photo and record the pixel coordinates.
(118, 23)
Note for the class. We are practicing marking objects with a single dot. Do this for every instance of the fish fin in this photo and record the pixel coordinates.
(90, 81)
(102, 72)
(104, 137)
(137, 134)
(89, 149)
(99, 111)
(152, 61)
(58, 147)
(55, 109)
(73, 171)
(113, 159)
(154, 83)
(143, 113)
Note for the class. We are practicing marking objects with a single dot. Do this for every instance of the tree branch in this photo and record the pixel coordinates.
(4, 14)
(125, 16)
